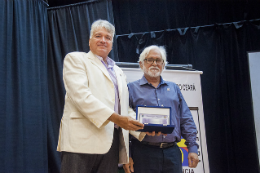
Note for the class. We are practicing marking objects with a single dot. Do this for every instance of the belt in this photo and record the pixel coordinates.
(160, 145)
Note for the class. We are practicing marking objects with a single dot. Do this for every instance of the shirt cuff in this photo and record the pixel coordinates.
(193, 149)
(141, 136)
(138, 135)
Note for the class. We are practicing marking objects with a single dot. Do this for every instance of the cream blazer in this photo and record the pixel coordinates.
(89, 102)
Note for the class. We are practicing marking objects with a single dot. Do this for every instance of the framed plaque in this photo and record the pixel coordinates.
(155, 118)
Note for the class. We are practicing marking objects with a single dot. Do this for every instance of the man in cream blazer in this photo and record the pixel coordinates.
(96, 121)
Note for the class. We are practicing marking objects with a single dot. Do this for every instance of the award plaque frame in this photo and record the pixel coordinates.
(155, 118)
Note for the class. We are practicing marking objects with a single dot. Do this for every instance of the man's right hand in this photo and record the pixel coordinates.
(126, 122)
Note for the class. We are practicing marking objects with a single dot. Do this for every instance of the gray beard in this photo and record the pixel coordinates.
(150, 73)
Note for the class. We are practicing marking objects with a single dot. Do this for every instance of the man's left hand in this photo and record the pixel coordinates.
(193, 160)
(129, 167)
(154, 133)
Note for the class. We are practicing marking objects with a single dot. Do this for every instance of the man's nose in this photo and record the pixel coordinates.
(103, 39)
(154, 62)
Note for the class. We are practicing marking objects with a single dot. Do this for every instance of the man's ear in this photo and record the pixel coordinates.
(163, 66)
(141, 64)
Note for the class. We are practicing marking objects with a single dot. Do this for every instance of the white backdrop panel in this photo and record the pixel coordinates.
(254, 63)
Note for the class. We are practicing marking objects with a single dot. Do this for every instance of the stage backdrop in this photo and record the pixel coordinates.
(219, 50)
(190, 86)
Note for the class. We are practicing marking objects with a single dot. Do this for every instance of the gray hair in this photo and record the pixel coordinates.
(147, 50)
(102, 24)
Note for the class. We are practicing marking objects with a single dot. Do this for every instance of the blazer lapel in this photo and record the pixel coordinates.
(99, 64)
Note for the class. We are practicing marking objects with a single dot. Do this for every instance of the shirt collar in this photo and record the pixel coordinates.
(110, 62)
(144, 81)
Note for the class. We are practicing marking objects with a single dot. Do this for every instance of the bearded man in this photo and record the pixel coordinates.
(159, 153)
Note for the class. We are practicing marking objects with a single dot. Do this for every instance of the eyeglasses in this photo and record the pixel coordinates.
(151, 60)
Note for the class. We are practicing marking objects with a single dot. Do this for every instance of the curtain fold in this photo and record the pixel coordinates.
(23, 86)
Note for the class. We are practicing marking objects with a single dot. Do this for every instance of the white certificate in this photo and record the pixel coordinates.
(153, 118)
(153, 115)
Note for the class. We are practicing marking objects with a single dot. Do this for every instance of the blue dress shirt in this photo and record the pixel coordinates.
(166, 94)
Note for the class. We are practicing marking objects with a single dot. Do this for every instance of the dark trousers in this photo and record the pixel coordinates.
(151, 159)
(92, 163)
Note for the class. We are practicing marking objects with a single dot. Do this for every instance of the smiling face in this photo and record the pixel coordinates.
(101, 42)
(154, 69)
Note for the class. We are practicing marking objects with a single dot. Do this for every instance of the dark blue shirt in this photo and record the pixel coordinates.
(166, 94)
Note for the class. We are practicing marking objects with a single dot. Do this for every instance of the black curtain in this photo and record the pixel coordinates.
(69, 28)
(23, 86)
(133, 16)
(196, 32)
